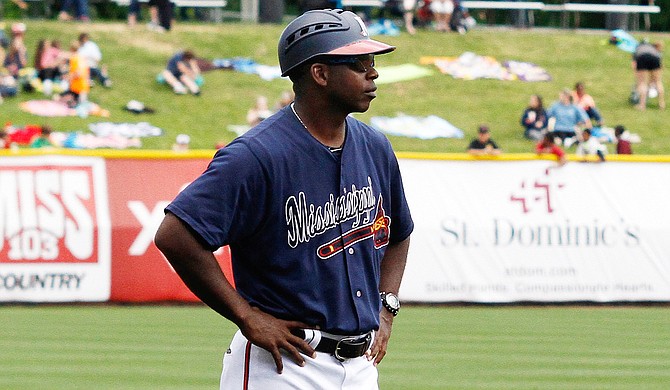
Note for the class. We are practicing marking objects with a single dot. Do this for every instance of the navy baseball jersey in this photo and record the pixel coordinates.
(307, 227)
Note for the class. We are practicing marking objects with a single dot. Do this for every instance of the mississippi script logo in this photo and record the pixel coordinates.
(306, 221)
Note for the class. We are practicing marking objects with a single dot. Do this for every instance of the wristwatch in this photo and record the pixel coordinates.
(390, 302)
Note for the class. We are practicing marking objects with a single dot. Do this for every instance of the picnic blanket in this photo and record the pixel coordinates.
(623, 40)
(126, 130)
(429, 127)
(470, 66)
(247, 65)
(78, 140)
(53, 108)
(383, 27)
(393, 74)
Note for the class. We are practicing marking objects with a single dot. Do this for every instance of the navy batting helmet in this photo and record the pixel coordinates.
(325, 32)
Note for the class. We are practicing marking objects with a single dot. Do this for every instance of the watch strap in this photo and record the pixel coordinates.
(387, 305)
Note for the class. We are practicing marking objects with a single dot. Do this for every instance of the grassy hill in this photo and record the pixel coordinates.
(135, 56)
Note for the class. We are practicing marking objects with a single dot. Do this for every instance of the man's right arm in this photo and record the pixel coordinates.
(198, 268)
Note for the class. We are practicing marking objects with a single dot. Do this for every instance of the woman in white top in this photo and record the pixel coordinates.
(442, 9)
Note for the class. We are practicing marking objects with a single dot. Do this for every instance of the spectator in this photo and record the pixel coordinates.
(163, 12)
(623, 145)
(8, 86)
(566, 119)
(182, 73)
(442, 10)
(182, 143)
(19, 31)
(16, 57)
(4, 140)
(585, 101)
(590, 146)
(408, 15)
(43, 140)
(548, 146)
(49, 65)
(80, 10)
(91, 53)
(647, 64)
(483, 144)
(534, 119)
(259, 111)
(78, 75)
(285, 99)
(134, 11)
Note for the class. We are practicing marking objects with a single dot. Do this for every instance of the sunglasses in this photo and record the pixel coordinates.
(361, 64)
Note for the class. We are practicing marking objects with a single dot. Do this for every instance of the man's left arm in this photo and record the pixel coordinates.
(392, 270)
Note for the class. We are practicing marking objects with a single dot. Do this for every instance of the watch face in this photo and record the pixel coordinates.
(393, 301)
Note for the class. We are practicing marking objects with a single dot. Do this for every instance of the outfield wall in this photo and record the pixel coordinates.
(510, 230)
(78, 226)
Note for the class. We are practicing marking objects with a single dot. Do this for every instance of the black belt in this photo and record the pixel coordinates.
(342, 347)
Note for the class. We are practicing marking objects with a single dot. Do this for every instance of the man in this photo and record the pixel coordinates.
(312, 205)
(483, 144)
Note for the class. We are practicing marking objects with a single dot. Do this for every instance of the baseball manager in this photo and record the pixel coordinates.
(312, 205)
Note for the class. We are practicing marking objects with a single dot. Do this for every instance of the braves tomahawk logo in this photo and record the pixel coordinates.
(378, 230)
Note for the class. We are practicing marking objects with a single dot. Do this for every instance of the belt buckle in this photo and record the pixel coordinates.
(347, 340)
(337, 347)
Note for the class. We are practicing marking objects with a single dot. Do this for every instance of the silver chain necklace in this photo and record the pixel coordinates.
(331, 148)
(298, 116)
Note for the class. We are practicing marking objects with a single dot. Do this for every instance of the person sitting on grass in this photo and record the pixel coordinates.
(623, 145)
(182, 73)
(483, 144)
(534, 119)
(566, 118)
(586, 102)
(259, 111)
(90, 52)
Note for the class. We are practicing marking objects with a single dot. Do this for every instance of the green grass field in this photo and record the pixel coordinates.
(135, 56)
(477, 347)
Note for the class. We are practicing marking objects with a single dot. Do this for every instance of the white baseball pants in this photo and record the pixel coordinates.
(248, 367)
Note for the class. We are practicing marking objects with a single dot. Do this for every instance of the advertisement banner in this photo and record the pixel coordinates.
(55, 231)
(139, 190)
(511, 231)
(78, 228)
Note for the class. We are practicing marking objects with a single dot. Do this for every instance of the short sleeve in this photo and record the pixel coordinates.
(226, 202)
